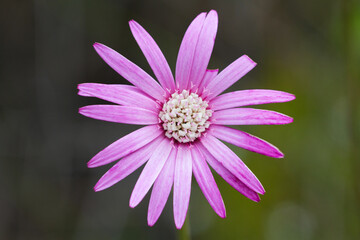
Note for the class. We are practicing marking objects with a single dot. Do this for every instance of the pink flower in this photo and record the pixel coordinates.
(185, 121)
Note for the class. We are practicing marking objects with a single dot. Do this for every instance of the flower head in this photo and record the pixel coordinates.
(185, 119)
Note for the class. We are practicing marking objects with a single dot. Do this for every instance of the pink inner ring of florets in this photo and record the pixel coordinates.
(185, 116)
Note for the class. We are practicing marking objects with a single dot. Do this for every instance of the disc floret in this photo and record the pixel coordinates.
(185, 116)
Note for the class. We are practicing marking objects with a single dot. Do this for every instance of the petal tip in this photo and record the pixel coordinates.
(290, 120)
(259, 188)
(97, 188)
(100, 48)
(82, 111)
(277, 153)
(80, 85)
(292, 97)
(132, 22)
(90, 164)
(257, 198)
(213, 11)
(222, 214)
(82, 90)
(178, 226)
(134, 200)
(202, 13)
(151, 221)
(93, 163)
(179, 221)
(284, 119)
(132, 204)
(96, 45)
(252, 61)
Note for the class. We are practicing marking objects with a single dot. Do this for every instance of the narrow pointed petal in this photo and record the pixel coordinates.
(161, 189)
(249, 97)
(187, 52)
(120, 114)
(153, 55)
(228, 176)
(207, 182)
(209, 75)
(130, 71)
(249, 116)
(182, 185)
(245, 141)
(127, 165)
(118, 93)
(232, 162)
(125, 145)
(204, 48)
(230, 75)
(150, 172)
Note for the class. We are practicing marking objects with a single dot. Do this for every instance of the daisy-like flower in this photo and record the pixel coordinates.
(184, 119)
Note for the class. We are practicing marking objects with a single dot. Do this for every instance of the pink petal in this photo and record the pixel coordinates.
(182, 184)
(118, 93)
(209, 75)
(153, 55)
(150, 172)
(120, 114)
(246, 141)
(232, 162)
(204, 48)
(230, 75)
(249, 116)
(228, 176)
(161, 189)
(207, 182)
(249, 97)
(127, 165)
(130, 71)
(187, 52)
(125, 145)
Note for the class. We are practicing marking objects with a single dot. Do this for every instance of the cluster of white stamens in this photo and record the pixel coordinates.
(185, 116)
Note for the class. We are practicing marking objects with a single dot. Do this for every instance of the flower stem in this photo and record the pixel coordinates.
(352, 75)
(184, 232)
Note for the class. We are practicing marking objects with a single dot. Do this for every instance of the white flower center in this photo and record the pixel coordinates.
(185, 116)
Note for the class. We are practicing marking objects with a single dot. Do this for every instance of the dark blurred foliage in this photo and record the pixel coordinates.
(309, 48)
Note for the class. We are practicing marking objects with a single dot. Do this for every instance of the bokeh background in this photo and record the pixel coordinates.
(309, 48)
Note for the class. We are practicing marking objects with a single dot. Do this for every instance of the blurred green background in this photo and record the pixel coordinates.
(308, 48)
